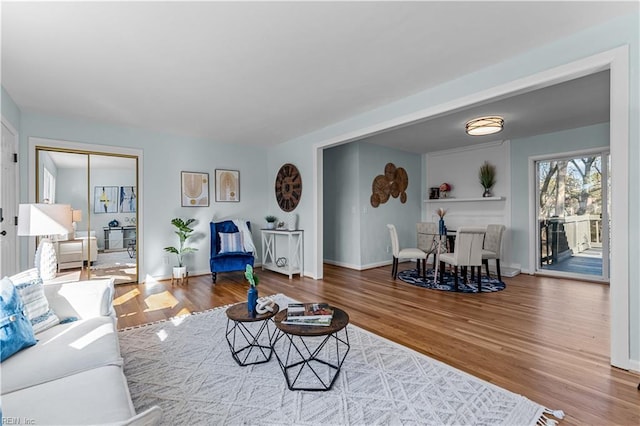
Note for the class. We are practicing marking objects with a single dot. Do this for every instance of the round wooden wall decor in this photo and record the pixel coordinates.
(288, 187)
(393, 182)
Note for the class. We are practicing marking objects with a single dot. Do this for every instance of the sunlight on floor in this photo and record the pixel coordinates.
(163, 300)
(126, 297)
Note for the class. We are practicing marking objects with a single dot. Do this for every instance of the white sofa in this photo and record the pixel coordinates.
(74, 374)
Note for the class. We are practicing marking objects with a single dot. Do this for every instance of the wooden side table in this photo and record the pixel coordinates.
(311, 356)
(248, 345)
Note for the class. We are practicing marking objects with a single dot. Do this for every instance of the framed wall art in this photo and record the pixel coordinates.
(195, 189)
(105, 199)
(227, 185)
(128, 199)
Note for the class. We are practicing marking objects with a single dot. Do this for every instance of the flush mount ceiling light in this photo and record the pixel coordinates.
(484, 125)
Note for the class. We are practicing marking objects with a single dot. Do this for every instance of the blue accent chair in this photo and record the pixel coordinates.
(226, 262)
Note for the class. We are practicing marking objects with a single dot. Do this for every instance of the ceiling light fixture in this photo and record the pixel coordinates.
(484, 125)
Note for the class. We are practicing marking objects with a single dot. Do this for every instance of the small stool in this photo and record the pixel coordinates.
(180, 281)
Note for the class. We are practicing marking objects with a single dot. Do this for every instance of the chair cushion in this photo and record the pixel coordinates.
(16, 332)
(36, 306)
(412, 253)
(487, 254)
(230, 242)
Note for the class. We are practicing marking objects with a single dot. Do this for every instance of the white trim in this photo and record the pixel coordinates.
(617, 60)
(467, 148)
(107, 149)
(16, 147)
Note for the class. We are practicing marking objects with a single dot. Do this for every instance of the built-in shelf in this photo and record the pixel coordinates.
(461, 200)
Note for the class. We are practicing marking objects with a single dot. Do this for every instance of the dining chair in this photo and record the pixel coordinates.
(468, 252)
(491, 249)
(428, 239)
(405, 253)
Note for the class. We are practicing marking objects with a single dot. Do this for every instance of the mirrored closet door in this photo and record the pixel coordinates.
(102, 191)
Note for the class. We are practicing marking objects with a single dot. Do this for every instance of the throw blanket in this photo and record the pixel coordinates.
(247, 241)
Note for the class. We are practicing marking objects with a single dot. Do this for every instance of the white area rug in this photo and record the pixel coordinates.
(185, 366)
(114, 259)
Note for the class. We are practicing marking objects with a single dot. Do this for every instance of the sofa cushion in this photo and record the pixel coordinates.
(31, 290)
(230, 242)
(61, 351)
(16, 332)
(96, 396)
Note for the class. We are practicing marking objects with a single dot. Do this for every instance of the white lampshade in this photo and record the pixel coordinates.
(76, 216)
(44, 219)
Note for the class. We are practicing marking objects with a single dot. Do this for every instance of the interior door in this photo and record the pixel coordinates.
(8, 203)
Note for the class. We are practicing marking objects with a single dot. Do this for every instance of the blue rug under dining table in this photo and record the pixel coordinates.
(489, 285)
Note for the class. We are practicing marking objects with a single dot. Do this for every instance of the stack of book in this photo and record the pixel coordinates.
(309, 314)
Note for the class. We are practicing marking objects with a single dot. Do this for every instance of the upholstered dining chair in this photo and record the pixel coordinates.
(468, 252)
(428, 238)
(406, 253)
(491, 249)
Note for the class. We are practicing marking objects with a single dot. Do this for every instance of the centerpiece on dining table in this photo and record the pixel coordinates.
(442, 229)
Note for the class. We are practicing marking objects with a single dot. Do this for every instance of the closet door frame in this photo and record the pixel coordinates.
(36, 144)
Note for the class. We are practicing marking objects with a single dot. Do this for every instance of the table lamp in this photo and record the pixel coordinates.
(44, 220)
(76, 216)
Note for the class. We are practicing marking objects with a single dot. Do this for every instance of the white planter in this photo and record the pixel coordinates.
(270, 225)
(179, 272)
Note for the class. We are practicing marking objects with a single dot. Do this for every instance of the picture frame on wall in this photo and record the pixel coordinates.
(194, 189)
(128, 198)
(227, 185)
(105, 199)
(434, 193)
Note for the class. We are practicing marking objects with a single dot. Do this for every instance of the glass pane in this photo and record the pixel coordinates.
(570, 215)
(113, 212)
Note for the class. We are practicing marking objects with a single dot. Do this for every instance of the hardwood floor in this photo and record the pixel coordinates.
(544, 338)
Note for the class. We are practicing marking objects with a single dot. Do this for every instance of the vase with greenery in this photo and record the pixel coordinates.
(183, 231)
(487, 177)
(271, 220)
(252, 294)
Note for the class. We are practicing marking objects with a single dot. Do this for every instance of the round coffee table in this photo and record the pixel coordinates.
(248, 345)
(311, 356)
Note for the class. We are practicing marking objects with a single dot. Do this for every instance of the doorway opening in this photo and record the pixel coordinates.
(572, 206)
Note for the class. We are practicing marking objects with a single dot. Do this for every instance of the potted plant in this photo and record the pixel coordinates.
(487, 177)
(252, 294)
(183, 231)
(271, 220)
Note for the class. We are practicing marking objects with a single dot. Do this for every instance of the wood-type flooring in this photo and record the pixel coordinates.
(544, 338)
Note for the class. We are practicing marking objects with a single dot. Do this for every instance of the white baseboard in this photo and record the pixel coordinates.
(361, 267)
(634, 365)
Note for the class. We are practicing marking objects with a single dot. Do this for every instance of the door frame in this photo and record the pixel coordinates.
(92, 149)
(617, 61)
(16, 189)
(534, 240)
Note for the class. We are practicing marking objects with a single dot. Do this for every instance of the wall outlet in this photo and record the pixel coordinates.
(165, 260)
(388, 249)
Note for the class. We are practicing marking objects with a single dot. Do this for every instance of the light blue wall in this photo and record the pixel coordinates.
(10, 110)
(355, 233)
(374, 234)
(341, 219)
(598, 39)
(165, 156)
(596, 136)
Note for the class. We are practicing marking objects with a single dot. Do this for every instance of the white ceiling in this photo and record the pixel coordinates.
(260, 73)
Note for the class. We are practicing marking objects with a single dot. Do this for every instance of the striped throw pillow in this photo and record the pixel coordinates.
(36, 306)
(230, 242)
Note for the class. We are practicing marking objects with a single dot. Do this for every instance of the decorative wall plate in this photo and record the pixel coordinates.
(288, 187)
